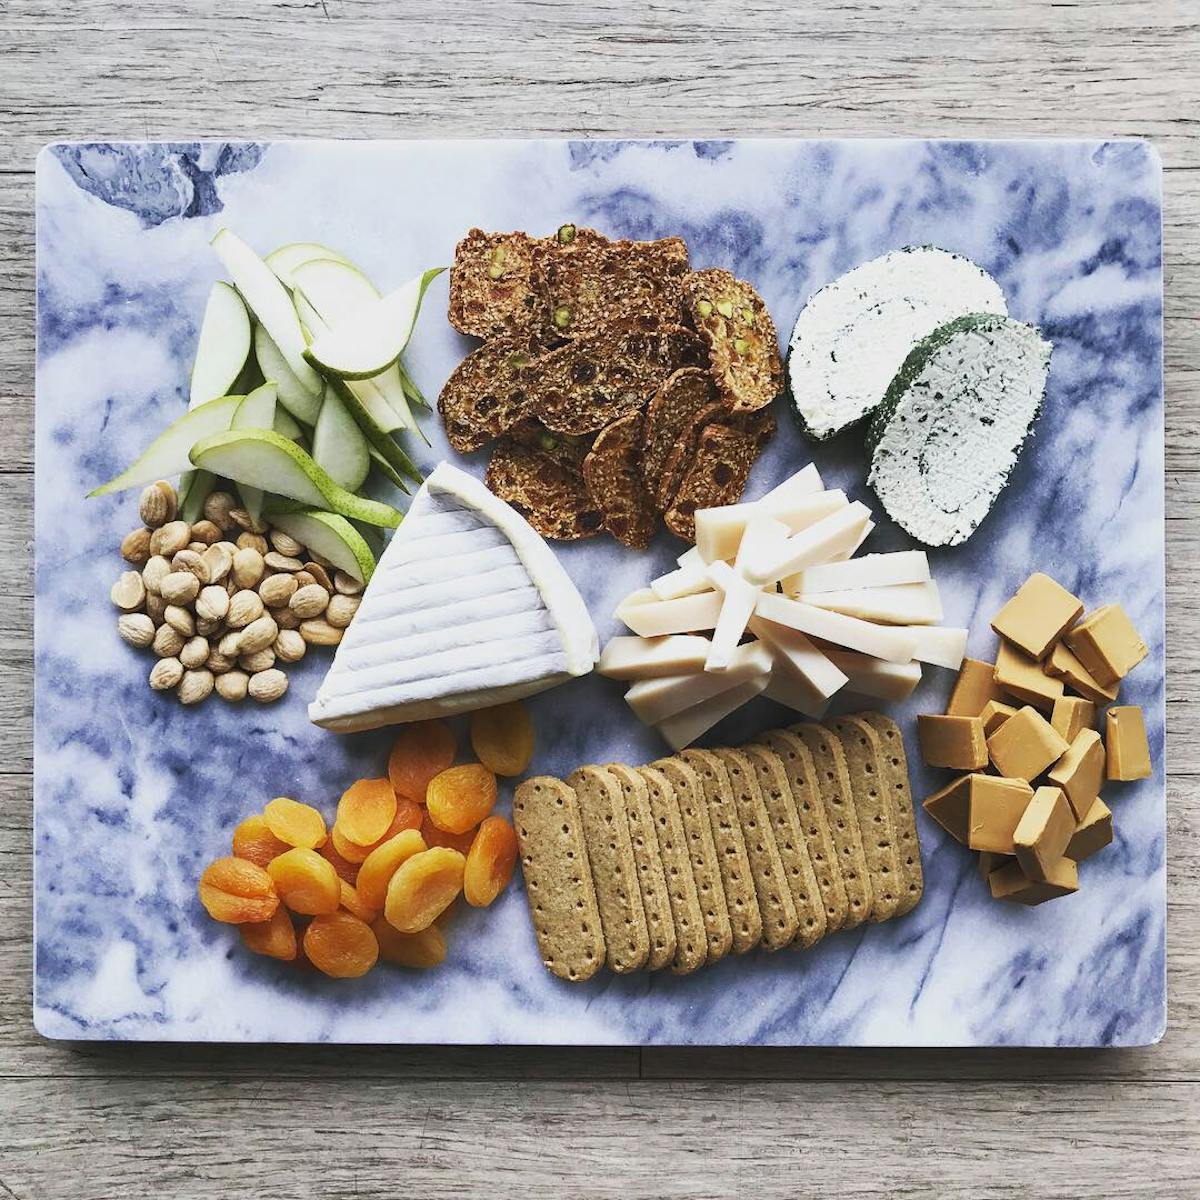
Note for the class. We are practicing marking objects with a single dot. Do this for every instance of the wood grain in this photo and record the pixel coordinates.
(99, 1121)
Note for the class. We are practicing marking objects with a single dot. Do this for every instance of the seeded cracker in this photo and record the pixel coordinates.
(702, 853)
(614, 870)
(558, 882)
(672, 429)
(613, 477)
(546, 490)
(486, 394)
(745, 917)
(691, 945)
(492, 287)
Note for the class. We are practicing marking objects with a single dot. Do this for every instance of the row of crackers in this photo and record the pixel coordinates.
(803, 832)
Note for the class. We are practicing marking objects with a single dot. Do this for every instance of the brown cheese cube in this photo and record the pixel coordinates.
(995, 808)
(955, 742)
(1128, 749)
(1107, 644)
(1021, 676)
(1045, 829)
(994, 715)
(1025, 745)
(1062, 664)
(990, 861)
(1080, 771)
(974, 687)
(1071, 714)
(1093, 833)
(1037, 615)
(1009, 883)
(950, 807)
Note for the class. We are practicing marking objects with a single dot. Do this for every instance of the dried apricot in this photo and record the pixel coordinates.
(439, 837)
(275, 938)
(409, 815)
(346, 869)
(366, 810)
(383, 862)
(502, 738)
(490, 862)
(425, 948)
(341, 945)
(306, 882)
(422, 750)
(237, 891)
(350, 851)
(295, 823)
(253, 841)
(460, 797)
(422, 888)
(352, 901)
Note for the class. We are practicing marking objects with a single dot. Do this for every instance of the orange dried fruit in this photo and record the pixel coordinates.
(383, 862)
(502, 738)
(306, 882)
(351, 900)
(346, 869)
(439, 837)
(295, 823)
(460, 797)
(423, 750)
(253, 841)
(237, 891)
(490, 862)
(409, 815)
(341, 945)
(365, 811)
(350, 851)
(275, 938)
(423, 888)
(425, 948)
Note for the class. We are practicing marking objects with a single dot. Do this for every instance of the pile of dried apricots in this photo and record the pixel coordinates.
(400, 851)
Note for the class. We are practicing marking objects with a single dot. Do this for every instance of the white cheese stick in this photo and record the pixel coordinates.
(641, 596)
(738, 599)
(685, 727)
(805, 482)
(903, 604)
(654, 700)
(871, 570)
(893, 643)
(940, 645)
(719, 530)
(657, 618)
(866, 676)
(850, 551)
(795, 654)
(687, 579)
(796, 693)
(648, 658)
(817, 544)
(762, 536)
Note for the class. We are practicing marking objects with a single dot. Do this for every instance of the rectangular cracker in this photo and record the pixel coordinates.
(745, 917)
(651, 879)
(779, 918)
(614, 869)
(873, 803)
(790, 842)
(558, 881)
(908, 846)
(833, 783)
(691, 943)
(802, 778)
(493, 284)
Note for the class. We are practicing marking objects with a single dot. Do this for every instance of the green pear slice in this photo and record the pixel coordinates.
(411, 391)
(194, 488)
(371, 337)
(293, 395)
(223, 347)
(285, 259)
(379, 438)
(286, 424)
(333, 288)
(265, 459)
(167, 455)
(332, 537)
(257, 411)
(338, 445)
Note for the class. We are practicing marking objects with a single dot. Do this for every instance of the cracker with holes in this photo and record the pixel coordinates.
(613, 475)
(690, 941)
(741, 899)
(871, 790)
(908, 847)
(614, 868)
(833, 783)
(673, 423)
(487, 393)
(546, 490)
(558, 879)
(493, 289)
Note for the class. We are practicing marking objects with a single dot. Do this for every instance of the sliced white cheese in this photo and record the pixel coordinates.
(939, 645)
(902, 604)
(795, 654)
(467, 608)
(851, 551)
(719, 530)
(839, 531)
(685, 727)
(654, 700)
(805, 482)
(882, 641)
(738, 599)
(649, 658)
(656, 618)
(867, 676)
(641, 596)
(795, 692)
(872, 570)
(687, 579)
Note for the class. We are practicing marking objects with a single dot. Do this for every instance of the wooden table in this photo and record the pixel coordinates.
(109, 1121)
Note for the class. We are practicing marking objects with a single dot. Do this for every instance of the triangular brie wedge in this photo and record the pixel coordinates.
(467, 608)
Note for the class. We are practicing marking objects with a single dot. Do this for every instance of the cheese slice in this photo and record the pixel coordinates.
(654, 700)
(888, 642)
(867, 676)
(796, 655)
(738, 599)
(841, 531)
(467, 608)
(648, 658)
(795, 692)
(687, 579)
(870, 571)
(719, 529)
(904, 604)
(656, 618)
(685, 727)
(939, 645)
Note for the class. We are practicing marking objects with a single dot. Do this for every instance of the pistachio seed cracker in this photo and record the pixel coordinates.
(613, 476)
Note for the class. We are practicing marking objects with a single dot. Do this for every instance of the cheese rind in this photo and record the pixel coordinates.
(1037, 615)
(887, 642)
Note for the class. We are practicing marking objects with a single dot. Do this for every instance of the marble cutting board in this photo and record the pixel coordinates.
(133, 794)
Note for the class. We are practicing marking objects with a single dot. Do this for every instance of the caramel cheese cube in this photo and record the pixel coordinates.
(956, 742)
(1043, 833)
(990, 861)
(1037, 616)
(1093, 833)
(1080, 771)
(1010, 883)
(1107, 644)
(994, 715)
(1062, 664)
(1071, 714)
(950, 807)
(1022, 676)
(995, 809)
(1025, 745)
(1128, 748)
(973, 689)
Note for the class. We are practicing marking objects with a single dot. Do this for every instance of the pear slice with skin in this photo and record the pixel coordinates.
(286, 424)
(338, 445)
(293, 395)
(383, 443)
(330, 536)
(223, 346)
(284, 260)
(257, 411)
(265, 459)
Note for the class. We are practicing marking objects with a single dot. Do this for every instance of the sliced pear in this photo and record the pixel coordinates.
(223, 347)
(293, 395)
(333, 288)
(286, 424)
(330, 536)
(338, 445)
(411, 390)
(265, 459)
(194, 488)
(167, 455)
(387, 446)
(285, 259)
(387, 469)
(257, 411)
(371, 337)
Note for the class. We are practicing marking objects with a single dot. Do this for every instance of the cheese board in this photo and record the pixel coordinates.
(741, 576)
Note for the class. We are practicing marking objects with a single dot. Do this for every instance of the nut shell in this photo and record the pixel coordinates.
(267, 686)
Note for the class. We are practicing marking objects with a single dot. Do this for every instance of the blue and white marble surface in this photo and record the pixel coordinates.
(134, 793)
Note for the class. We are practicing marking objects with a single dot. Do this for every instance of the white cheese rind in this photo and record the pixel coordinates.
(648, 658)
(881, 641)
